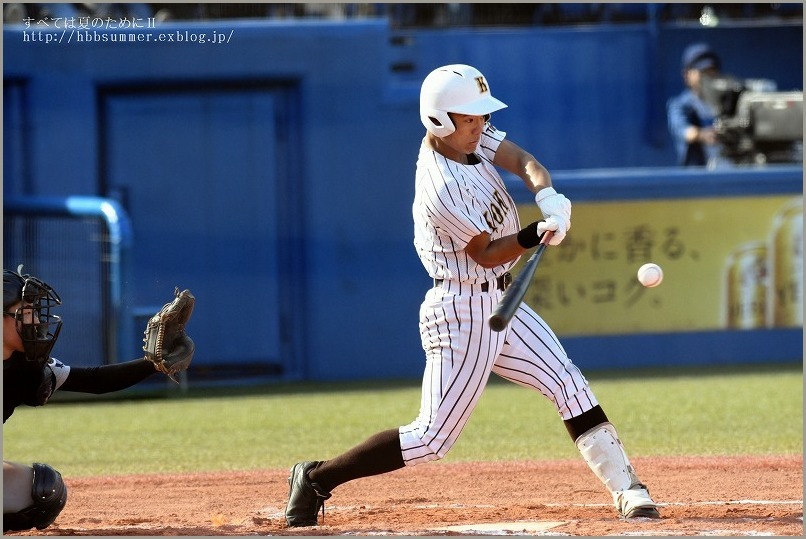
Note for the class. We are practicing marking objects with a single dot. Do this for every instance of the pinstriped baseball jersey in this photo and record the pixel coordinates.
(453, 204)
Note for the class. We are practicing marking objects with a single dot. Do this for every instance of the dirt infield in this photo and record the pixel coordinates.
(698, 496)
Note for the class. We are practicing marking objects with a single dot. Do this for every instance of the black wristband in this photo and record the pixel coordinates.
(528, 237)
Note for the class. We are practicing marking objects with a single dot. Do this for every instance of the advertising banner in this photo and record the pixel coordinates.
(728, 263)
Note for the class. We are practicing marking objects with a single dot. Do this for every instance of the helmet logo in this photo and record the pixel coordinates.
(482, 85)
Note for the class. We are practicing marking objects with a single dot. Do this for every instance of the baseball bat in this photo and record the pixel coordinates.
(513, 296)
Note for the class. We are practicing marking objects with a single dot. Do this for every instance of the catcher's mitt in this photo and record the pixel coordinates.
(165, 342)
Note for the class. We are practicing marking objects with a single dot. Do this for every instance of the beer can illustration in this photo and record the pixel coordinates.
(746, 285)
(785, 263)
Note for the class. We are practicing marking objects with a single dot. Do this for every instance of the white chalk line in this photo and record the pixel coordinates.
(546, 528)
(522, 528)
(688, 504)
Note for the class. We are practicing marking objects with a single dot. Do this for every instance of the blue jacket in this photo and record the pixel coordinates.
(683, 111)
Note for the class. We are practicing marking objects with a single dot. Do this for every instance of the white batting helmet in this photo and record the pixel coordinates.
(455, 88)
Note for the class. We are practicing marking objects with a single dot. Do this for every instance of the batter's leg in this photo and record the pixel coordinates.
(533, 357)
(603, 451)
(579, 425)
(310, 482)
(377, 455)
(460, 351)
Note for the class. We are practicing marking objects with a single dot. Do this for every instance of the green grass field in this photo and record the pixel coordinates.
(714, 411)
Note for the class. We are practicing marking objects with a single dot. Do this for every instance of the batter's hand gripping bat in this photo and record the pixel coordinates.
(513, 296)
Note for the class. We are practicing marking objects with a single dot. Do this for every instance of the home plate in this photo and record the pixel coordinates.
(505, 527)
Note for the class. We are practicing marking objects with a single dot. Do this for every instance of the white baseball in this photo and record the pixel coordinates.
(650, 275)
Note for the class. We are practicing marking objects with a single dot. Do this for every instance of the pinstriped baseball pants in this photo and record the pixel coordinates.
(461, 351)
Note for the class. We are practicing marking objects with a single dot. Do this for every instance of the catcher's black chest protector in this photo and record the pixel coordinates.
(21, 381)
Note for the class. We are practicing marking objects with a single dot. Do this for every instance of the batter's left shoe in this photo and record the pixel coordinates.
(635, 502)
(305, 497)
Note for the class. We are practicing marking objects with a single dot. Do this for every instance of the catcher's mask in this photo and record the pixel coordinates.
(37, 327)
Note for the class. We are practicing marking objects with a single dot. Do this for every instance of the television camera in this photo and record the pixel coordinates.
(755, 124)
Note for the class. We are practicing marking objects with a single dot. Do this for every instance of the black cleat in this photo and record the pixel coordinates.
(305, 497)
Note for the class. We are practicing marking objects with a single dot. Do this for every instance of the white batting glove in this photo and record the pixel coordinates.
(556, 225)
(551, 203)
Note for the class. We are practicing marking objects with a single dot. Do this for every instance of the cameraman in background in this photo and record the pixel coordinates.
(690, 117)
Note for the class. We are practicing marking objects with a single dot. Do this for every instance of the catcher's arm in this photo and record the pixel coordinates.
(165, 342)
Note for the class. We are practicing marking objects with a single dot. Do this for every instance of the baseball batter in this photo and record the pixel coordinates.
(35, 494)
(468, 236)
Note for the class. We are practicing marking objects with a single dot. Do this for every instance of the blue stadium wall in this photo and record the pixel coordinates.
(270, 169)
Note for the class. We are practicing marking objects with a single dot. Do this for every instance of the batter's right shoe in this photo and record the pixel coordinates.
(635, 502)
(305, 497)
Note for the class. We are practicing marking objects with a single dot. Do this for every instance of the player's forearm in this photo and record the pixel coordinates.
(108, 378)
(537, 176)
(491, 253)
